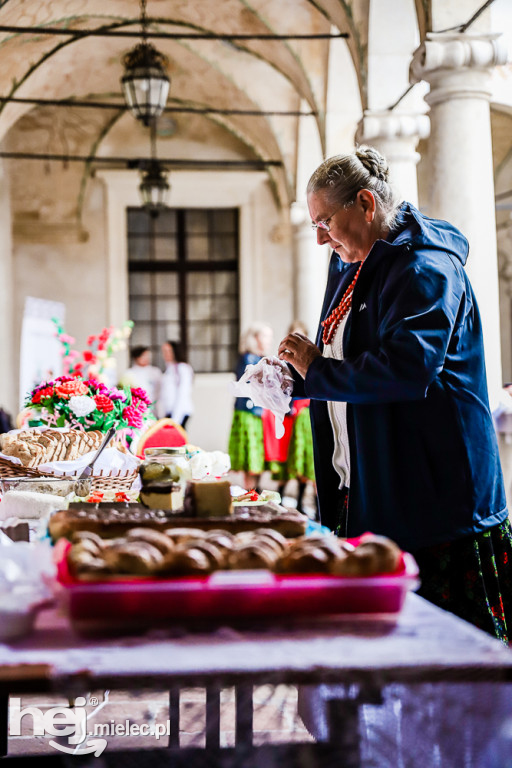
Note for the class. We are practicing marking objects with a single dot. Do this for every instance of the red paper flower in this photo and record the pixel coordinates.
(69, 388)
(133, 416)
(46, 392)
(88, 356)
(103, 403)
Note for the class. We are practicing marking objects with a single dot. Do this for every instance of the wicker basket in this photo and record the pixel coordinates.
(113, 481)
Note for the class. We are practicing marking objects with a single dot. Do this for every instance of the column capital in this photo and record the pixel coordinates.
(457, 65)
(449, 51)
(388, 126)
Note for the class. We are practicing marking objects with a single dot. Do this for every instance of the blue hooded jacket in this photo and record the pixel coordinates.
(424, 458)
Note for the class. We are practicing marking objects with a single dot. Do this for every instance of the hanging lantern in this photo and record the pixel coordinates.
(145, 82)
(154, 188)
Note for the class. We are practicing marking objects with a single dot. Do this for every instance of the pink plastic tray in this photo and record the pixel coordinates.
(226, 594)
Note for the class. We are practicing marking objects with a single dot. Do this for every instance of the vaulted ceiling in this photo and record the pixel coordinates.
(240, 99)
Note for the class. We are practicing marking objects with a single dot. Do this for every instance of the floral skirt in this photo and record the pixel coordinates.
(299, 462)
(246, 443)
(472, 578)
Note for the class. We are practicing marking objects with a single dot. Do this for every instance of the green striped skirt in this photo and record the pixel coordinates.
(246, 443)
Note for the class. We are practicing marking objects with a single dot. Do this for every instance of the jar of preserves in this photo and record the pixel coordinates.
(163, 464)
(163, 475)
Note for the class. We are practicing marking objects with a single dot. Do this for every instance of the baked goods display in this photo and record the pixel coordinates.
(194, 552)
(111, 520)
(34, 448)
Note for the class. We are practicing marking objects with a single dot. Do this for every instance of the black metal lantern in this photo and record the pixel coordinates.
(145, 81)
(154, 188)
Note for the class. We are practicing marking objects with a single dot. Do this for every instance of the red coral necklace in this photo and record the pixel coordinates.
(331, 323)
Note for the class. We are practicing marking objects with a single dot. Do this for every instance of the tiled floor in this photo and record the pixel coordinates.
(275, 719)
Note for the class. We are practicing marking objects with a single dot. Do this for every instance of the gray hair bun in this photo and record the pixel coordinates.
(373, 161)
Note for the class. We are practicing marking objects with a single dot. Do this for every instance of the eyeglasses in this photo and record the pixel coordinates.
(324, 223)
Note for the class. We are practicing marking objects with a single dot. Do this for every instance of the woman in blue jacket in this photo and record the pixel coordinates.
(404, 440)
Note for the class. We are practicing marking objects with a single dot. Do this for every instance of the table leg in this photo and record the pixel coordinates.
(174, 717)
(343, 719)
(4, 724)
(244, 714)
(213, 717)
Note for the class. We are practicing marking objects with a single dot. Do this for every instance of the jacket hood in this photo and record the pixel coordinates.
(425, 232)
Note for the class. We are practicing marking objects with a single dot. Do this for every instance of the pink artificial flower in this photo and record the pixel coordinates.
(133, 416)
(66, 338)
(91, 340)
(140, 394)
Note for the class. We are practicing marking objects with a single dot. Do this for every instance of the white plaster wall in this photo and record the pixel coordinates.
(65, 270)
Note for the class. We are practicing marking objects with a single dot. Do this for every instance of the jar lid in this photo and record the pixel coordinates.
(166, 451)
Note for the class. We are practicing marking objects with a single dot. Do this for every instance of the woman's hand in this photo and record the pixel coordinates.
(299, 351)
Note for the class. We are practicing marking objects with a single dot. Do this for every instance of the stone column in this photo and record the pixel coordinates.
(461, 185)
(10, 375)
(310, 270)
(396, 136)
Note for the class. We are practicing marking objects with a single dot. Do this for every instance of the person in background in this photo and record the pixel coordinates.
(404, 439)
(142, 374)
(175, 401)
(5, 421)
(246, 437)
(292, 456)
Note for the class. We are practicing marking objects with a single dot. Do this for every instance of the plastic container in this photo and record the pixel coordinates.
(231, 594)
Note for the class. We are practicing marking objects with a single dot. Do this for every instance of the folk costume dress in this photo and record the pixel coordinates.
(246, 437)
(292, 456)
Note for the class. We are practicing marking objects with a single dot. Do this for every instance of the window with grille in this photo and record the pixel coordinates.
(183, 275)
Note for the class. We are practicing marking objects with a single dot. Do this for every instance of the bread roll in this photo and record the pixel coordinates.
(158, 539)
(249, 556)
(134, 557)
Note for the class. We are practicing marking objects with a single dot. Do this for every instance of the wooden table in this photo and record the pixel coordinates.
(359, 655)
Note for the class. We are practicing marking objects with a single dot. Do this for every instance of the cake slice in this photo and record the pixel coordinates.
(208, 498)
